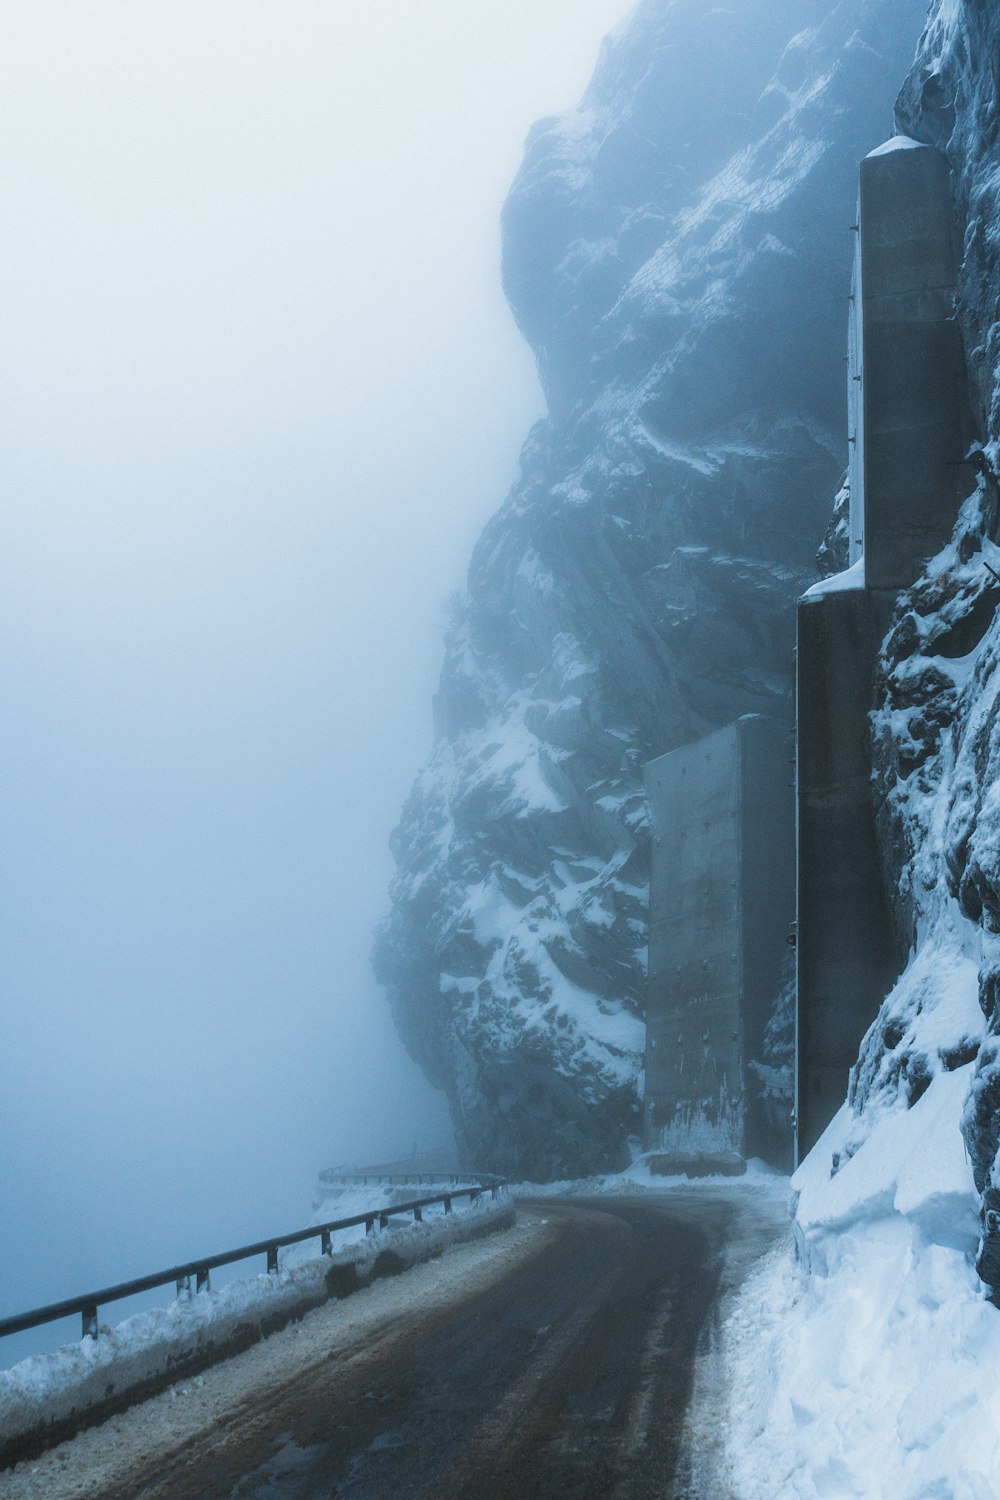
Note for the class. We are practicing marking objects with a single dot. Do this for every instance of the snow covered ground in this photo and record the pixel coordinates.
(880, 1379)
(863, 1360)
(759, 1180)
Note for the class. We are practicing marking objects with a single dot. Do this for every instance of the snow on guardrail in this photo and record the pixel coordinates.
(47, 1397)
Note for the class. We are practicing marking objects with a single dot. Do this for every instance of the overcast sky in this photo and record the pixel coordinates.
(259, 390)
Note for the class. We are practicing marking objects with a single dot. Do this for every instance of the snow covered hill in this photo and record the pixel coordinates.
(677, 251)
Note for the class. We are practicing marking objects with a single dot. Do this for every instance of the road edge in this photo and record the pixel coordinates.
(49, 1398)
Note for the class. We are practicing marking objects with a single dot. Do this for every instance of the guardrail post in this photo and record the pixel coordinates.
(325, 1243)
(383, 1221)
(447, 1203)
(203, 1279)
(90, 1320)
(493, 1192)
(370, 1224)
(183, 1285)
(418, 1216)
(272, 1260)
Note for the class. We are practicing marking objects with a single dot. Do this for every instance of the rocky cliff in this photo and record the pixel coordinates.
(937, 727)
(878, 1372)
(677, 252)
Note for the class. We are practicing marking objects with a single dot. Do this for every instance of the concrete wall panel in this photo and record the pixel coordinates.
(915, 424)
(721, 909)
(846, 949)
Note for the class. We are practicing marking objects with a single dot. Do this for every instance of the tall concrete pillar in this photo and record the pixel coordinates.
(913, 425)
(846, 950)
(909, 430)
(721, 906)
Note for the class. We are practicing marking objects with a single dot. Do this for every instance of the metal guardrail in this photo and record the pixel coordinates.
(88, 1304)
(440, 1161)
(334, 1177)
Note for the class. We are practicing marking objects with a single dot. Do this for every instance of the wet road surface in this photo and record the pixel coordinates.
(570, 1377)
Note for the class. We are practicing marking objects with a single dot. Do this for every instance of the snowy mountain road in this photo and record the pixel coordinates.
(568, 1373)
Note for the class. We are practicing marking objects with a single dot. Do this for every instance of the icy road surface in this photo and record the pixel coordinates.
(558, 1358)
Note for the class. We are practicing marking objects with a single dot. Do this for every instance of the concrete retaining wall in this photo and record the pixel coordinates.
(721, 907)
(847, 957)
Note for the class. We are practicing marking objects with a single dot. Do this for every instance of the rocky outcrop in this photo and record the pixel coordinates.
(677, 251)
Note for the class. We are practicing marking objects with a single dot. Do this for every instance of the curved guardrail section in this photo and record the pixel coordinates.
(200, 1271)
(334, 1177)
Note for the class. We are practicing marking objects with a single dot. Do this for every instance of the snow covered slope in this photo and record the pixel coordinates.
(677, 252)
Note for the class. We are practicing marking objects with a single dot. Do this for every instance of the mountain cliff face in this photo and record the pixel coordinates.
(937, 728)
(677, 252)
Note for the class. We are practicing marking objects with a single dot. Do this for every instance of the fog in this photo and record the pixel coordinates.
(260, 390)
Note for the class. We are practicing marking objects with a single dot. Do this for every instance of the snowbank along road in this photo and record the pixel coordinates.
(574, 1355)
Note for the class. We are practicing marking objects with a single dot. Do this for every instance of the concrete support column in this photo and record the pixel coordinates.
(846, 951)
(909, 363)
(910, 428)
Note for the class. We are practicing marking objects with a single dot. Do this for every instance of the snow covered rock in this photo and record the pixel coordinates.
(938, 726)
(677, 251)
(952, 97)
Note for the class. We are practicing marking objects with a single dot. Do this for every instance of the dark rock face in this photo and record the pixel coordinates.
(677, 251)
(950, 100)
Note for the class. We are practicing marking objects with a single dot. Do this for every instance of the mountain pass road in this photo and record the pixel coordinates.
(569, 1376)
